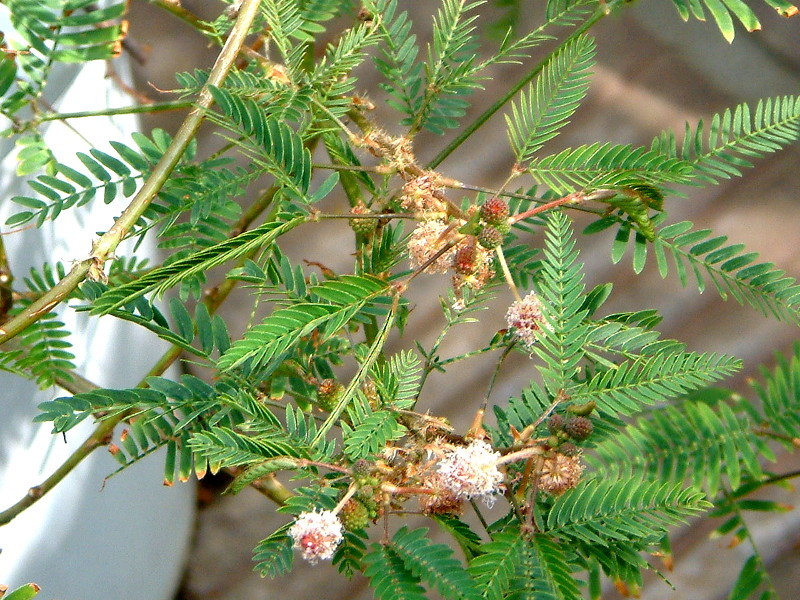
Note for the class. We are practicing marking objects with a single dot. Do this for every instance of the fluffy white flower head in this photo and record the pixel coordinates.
(525, 318)
(316, 535)
(425, 242)
(470, 471)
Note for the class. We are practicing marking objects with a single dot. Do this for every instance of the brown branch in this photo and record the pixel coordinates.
(104, 247)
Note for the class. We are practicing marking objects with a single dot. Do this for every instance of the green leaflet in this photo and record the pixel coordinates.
(731, 270)
(691, 441)
(601, 511)
(389, 577)
(163, 278)
(283, 328)
(433, 564)
(551, 100)
(723, 11)
(497, 563)
(607, 165)
(733, 137)
(560, 344)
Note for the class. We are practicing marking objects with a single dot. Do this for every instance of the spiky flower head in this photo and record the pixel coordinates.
(560, 473)
(471, 471)
(555, 423)
(525, 318)
(465, 257)
(495, 211)
(578, 428)
(316, 535)
(328, 393)
(354, 515)
(426, 240)
(442, 500)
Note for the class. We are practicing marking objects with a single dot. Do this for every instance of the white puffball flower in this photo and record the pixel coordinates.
(425, 241)
(525, 318)
(317, 535)
(470, 471)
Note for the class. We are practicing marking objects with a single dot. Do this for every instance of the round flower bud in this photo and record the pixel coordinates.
(569, 449)
(442, 501)
(362, 226)
(578, 428)
(490, 237)
(362, 467)
(555, 423)
(464, 259)
(495, 211)
(316, 535)
(328, 393)
(354, 515)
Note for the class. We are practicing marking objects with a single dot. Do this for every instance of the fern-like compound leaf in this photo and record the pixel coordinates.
(691, 442)
(283, 328)
(607, 166)
(724, 11)
(629, 386)
(551, 99)
(274, 555)
(735, 136)
(389, 577)
(602, 511)
(167, 276)
(497, 563)
(561, 340)
(433, 563)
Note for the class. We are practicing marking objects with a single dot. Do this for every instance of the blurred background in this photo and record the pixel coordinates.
(654, 72)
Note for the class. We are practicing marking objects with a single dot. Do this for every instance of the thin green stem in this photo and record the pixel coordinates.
(123, 110)
(467, 132)
(6, 281)
(104, 247)
(501, 258)
(374, 352)
(188, 17)
(495, 373)
(767, 580)
(466, 355)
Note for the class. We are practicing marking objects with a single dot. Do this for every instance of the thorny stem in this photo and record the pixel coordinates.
(107, 243)
(432, 259)
(430, 364)
(414, 216)
(781, 477)
(523, 454)
(104, 247)
(756, 552)
(269, 486)
(347, 495)
(479, 514)
(184, 15)
(528, 431)
(6, 279)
